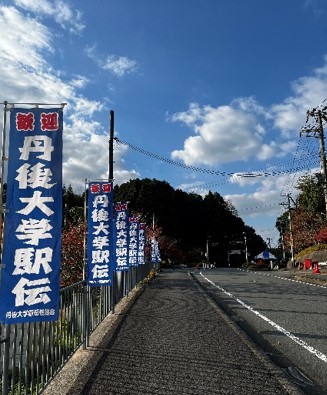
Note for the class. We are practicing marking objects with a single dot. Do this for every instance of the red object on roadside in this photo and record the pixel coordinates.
(316, 268)
(307, 264)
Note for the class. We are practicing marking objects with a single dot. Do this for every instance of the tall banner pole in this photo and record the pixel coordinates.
(111, 146)
(30, 281)
(5, 375)
(3, 158)
(30, 254)
(116, 275)
(86, 288)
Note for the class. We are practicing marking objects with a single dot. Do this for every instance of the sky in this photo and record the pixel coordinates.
(206, 94)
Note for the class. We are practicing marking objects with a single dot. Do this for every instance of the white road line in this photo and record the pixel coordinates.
(285, 332)
(283, 278)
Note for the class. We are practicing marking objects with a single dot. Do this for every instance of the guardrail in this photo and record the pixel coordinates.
(31, 354)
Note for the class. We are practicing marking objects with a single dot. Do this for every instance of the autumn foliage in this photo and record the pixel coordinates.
(322, 236)
(307, 217)
(72, 253)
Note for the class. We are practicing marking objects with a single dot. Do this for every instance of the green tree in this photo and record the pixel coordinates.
(73, 205)
(311, 195)
(186, 218)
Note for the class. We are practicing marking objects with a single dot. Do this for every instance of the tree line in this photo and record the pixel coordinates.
(187, 225)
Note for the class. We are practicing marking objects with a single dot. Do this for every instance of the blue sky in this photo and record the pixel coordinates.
(220, 86)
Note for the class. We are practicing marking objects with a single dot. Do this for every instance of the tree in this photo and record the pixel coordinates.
(311, 197)
(72, 253)
(307, 217)
(73, 234)
(73, 205)
(187, 219)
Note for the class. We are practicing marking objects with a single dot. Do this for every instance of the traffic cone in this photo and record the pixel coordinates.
(316, 268)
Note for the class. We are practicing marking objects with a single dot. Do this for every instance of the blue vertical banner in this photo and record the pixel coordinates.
(121, 237)
(133, 245)
(142, 243)
(30, 281)
(154, 252)
(99, 241)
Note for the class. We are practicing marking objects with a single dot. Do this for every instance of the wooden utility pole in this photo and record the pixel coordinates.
(319, 114)
(289, 198)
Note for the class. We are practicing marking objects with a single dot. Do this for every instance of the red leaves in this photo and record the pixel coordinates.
(72, 253)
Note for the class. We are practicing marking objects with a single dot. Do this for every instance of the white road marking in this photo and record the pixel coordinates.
(283, 278)
(285, 332)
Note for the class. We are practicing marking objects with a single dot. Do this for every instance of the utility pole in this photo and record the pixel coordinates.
(289, 198)
(268, 244)
(319, 114)
(111, 146)
(246, 248)
(207, 252)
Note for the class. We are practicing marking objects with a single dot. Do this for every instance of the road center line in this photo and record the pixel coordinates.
(285, 332)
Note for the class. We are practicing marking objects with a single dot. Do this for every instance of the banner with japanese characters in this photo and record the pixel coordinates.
(121, 237)
(30, 281)
(142, 243)
(99, 243)
(154, 252)
(133, 245)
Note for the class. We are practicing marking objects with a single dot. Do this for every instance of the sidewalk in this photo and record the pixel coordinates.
(170, 338)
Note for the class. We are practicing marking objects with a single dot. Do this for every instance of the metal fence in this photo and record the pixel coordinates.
(31, 354)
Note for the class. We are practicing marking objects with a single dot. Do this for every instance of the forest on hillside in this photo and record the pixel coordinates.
(191, 222)
(190, 228)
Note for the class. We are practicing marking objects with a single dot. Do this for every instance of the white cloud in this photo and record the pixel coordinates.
(314, 5)
(197, 187)
(266, 193)
(86, 155)
(290, 115)
(59, 10)
(27, 77)
(117, 65)
(244, 130)
(224, 134)
(79, 82)
(190, 117)
(23, 39)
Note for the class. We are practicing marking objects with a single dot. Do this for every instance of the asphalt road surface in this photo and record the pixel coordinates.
(288, 319)
(174, 339)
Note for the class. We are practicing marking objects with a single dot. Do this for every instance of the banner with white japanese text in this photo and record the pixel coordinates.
(30, 282)
(121, 237)
(99, 243)
(142, 243)
(155, 252)
(133, 246)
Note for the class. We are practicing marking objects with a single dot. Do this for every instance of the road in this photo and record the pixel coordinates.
(288, 319)
(170, 338)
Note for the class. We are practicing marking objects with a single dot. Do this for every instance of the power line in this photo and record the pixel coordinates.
(306, 162)
(170, 161)
(240, 174)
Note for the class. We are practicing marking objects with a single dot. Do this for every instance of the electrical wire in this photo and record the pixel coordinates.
(303, 159)
(240, 174)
